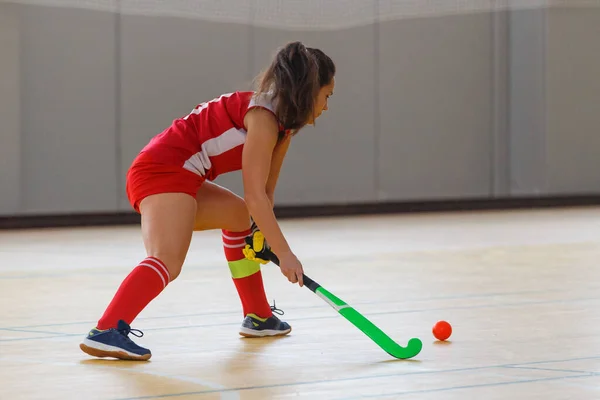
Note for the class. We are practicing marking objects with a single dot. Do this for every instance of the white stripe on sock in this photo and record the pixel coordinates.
(162, 278)
(160, 264)
(232, 237)
(233, 246)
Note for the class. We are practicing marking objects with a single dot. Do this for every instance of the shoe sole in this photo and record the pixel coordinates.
(121, 355)
(250, 333)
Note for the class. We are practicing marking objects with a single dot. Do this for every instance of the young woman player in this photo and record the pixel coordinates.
(169, 184)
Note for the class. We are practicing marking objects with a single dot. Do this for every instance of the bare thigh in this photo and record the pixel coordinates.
(220, 208)
(167, 227)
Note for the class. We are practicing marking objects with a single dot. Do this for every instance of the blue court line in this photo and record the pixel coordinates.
(546, 362)
(29, 331)
(377, 376)
(324, 306)
(43, 337)
(197, 381)
(369, 315)
(480, 385)
(35, 275)
(204, 314)
(356, 258)
(109, 270)
(496, 306)
(549, 369)
(562, 360)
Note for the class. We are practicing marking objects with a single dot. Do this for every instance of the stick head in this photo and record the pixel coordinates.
(412, 349)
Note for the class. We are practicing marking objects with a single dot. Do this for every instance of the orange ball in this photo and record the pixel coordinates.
(442, 330)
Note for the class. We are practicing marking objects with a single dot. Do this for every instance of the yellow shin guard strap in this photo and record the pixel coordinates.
(243, 268)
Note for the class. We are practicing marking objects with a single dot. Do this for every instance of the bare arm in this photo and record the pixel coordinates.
(257, 160)
(276, 162)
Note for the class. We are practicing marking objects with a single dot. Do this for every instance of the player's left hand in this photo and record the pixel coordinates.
(257, 248)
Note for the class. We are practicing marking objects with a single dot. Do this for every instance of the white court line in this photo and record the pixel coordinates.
(228, 395)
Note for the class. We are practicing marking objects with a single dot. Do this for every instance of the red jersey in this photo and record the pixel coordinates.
(209, 140)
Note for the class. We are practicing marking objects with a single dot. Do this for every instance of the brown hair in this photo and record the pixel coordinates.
(325, 65)
(293, 80)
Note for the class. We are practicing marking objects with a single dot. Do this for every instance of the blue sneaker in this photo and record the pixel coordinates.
(254, 326)
(115, 343)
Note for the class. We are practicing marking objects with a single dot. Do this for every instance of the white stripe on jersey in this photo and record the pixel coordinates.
(199, 163)
(202, 106)
(262, 101)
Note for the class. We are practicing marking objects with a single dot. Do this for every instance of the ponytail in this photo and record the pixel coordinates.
(292, 80)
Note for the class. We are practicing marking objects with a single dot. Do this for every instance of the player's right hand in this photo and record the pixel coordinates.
(292, 268)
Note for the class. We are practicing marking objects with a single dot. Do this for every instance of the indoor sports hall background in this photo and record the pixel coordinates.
(435, 100)
(439, 104)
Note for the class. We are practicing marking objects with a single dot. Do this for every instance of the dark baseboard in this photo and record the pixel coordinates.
(308, 211)
(68, 220)
(428, 206)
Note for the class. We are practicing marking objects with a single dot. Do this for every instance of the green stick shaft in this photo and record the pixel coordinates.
(413, 347)
(370, 329)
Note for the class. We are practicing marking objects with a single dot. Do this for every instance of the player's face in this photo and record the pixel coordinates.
(321, 104)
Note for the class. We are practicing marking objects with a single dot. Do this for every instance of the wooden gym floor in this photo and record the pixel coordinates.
(521, 289)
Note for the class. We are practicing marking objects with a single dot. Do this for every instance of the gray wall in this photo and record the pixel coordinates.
(10, 107)
(435, 107)
(461, 105)
(572, 100)
(68, 100)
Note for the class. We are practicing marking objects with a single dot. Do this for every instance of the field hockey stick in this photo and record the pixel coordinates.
(257, 249)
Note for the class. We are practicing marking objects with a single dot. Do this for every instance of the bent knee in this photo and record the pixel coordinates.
(240, 220)
(174, 263)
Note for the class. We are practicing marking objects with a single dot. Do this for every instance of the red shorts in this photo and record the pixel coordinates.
(146, 177)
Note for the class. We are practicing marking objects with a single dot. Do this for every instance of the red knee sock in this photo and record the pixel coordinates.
(246, 275)
(137, 290)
